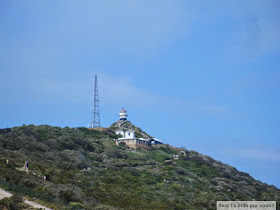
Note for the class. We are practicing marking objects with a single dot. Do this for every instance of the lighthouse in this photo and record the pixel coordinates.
(123, 114)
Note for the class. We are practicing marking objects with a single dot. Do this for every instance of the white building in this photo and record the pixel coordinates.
(129, 138)
(121, 132)
(129, 134)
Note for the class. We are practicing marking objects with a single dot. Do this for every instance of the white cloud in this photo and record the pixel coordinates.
(120, 91)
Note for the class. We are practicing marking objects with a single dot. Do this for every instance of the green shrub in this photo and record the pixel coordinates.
(116, 154)
(168, 150)
(13, 202)
(68, 195)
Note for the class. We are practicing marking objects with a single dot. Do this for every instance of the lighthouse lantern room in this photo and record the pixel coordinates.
(123, 114)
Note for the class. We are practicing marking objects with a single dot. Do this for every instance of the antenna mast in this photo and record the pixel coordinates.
(95, 113)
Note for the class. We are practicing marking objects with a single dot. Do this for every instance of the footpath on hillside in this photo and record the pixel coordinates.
(4, 194)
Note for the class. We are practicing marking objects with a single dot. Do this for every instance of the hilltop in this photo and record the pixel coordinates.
(126, 125)
(84, 169)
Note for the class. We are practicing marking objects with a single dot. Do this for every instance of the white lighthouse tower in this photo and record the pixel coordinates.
(123, 114)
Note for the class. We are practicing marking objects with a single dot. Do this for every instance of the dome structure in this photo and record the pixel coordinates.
(123, 114)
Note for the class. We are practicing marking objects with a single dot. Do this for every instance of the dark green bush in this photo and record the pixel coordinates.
(168, 150)
(13, 203)
(68, 195)
(116, 154)
(122, 144)
(180, 170)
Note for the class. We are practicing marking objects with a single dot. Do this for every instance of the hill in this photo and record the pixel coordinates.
(127, 125)
(84, 169)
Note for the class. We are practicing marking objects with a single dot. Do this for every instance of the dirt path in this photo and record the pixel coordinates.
(36, 205)
(4, 194)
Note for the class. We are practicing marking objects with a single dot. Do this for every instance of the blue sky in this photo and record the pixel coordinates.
(199, 74)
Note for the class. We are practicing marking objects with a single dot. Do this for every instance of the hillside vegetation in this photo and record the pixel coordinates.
(84, 169)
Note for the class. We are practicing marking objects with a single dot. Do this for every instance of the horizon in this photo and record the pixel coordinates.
(204, 76)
